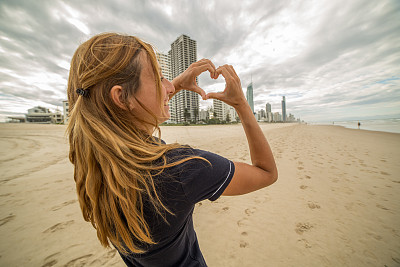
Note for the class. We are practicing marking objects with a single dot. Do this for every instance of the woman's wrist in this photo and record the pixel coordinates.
(176, 82)
(241, 105)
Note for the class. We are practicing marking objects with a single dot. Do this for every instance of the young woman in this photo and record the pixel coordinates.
(137, 191)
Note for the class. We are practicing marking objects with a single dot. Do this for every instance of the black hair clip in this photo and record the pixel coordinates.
(82, 92)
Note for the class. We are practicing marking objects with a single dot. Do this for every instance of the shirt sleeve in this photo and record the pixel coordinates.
(202, 180)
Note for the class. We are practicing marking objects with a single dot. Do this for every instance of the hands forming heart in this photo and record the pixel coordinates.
(232, 94)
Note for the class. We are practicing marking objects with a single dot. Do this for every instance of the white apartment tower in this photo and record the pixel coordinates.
(165, 63)
(66, 110)
(223, 111)
(184, 106)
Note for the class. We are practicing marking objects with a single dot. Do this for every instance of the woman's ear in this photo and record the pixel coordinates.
(116, 96)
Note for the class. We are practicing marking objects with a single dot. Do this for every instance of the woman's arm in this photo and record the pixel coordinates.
(263, 171)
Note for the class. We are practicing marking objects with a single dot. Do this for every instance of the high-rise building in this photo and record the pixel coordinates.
(223, 111)
(268, 107)
(204, 115)
(284, 109)
(185, 104)
(262, 113)
(249, 96)
(165, 63)
(270, 117)
(66, 110)
(277, 117)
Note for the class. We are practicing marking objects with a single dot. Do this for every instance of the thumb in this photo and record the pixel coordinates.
(218, 95)
(199, 91)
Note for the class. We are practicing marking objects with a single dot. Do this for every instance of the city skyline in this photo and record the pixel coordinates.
(343, 65)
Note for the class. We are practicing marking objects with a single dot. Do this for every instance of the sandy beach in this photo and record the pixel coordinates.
(336, 201)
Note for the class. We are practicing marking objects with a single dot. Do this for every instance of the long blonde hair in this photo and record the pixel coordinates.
(113, 159)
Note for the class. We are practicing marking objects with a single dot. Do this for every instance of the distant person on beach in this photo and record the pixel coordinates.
(138, 192)
(359, 124)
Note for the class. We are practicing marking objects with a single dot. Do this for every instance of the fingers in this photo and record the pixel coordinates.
(218, 95)
(203, 65)
(202, 68)
(226, 72)
(200, 91)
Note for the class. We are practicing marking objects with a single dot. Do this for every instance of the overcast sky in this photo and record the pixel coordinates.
(333, 60)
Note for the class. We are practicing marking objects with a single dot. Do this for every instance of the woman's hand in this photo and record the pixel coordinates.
(233, 94)
(187, 79)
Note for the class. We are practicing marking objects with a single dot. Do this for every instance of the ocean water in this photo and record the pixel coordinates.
(383, 125)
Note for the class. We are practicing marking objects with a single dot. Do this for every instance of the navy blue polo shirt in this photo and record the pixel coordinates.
(180, 188)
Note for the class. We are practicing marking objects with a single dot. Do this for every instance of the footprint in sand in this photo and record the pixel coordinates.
(303, 186)
(50, 260)
(110, 254)
(58, 226)
(377, 237)
(300, 168)
(381, 207)
(104, 259)
(303, 227)
(369, 254)
(351, 206)
(63, 205)
(242, 222)
(250, 211)
(7, 219)
(50, 263)
(244, 234)
(308, 177)
(225, 208)
(80, 261)
(313, 205)
(396, 260)
(243, 244)
(306, 244)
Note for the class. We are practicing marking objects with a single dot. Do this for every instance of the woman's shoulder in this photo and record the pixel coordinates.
(185, 151)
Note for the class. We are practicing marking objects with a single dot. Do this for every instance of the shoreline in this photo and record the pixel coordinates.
(380, 125)
(348, 128)
(233, 124)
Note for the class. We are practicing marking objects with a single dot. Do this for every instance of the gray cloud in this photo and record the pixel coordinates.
(325, 55)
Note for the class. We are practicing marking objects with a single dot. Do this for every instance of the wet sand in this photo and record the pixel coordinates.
(336, 202)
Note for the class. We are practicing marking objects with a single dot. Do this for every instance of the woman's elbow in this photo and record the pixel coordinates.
(271, 177)
(275, 176)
